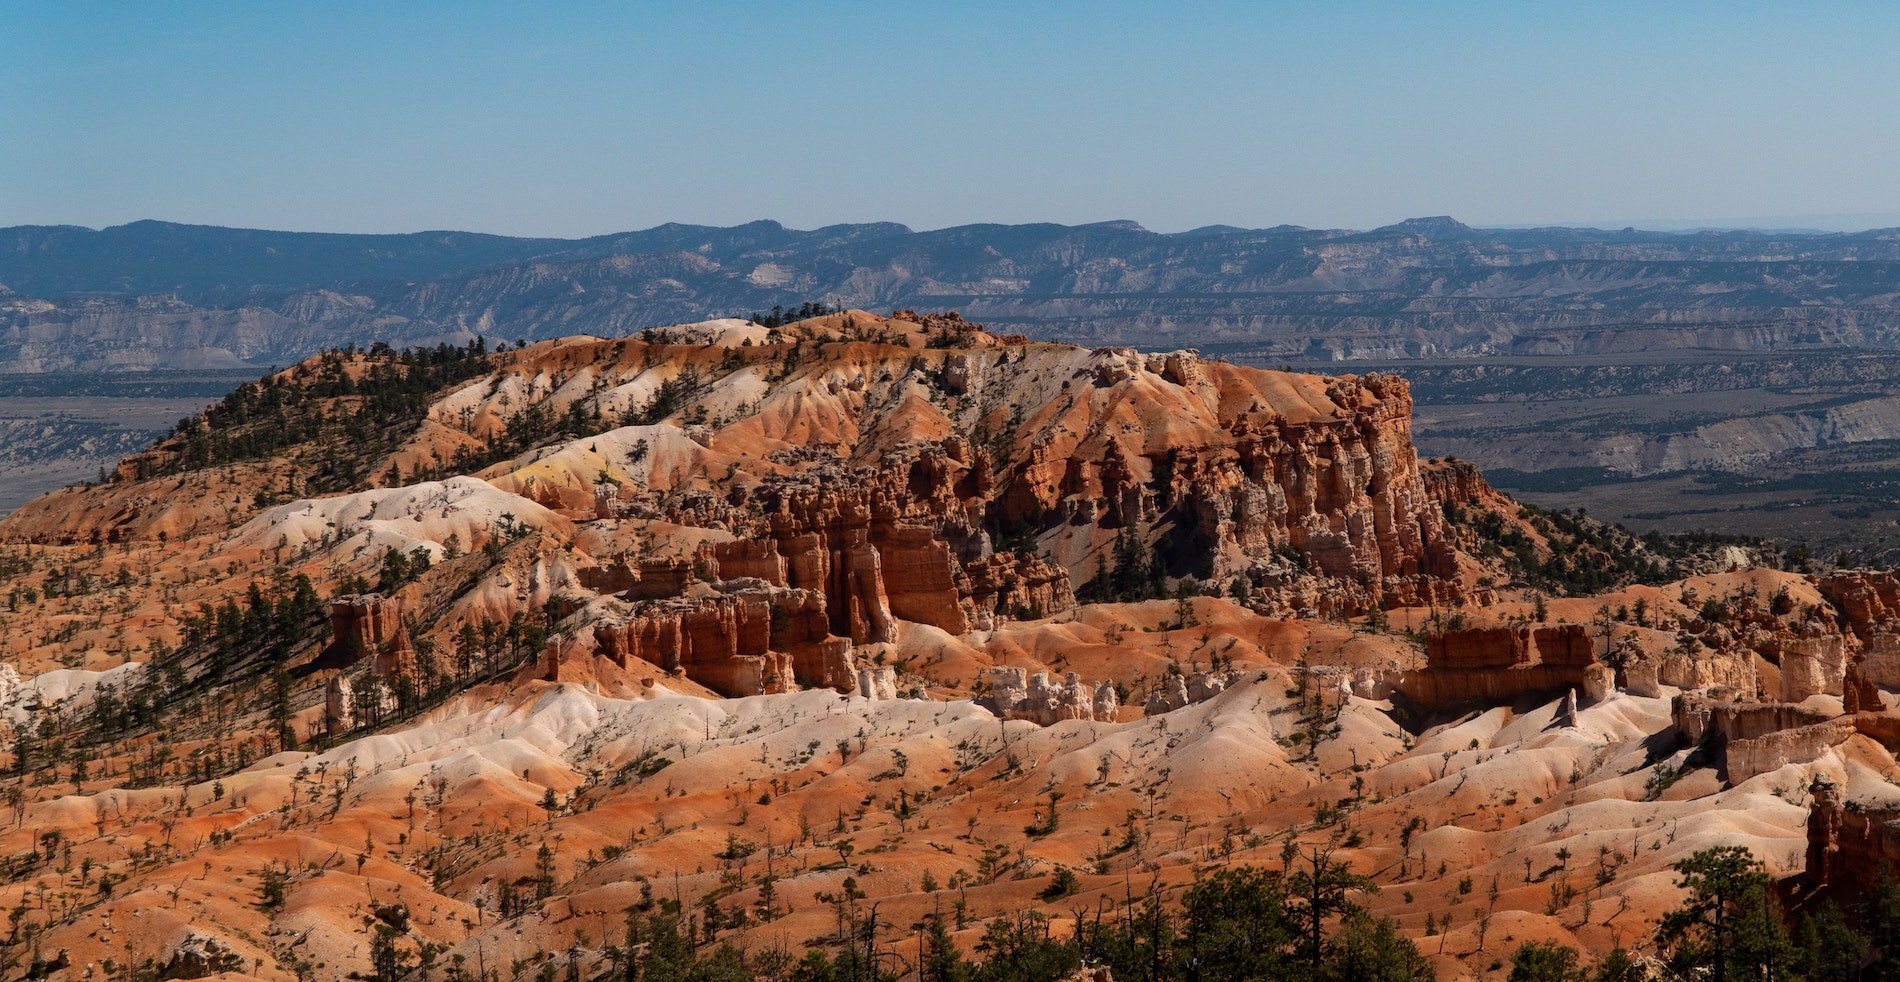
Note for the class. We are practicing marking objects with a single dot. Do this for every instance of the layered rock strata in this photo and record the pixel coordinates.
(903, 540)
(1851, 843)
(722, 643)
(1700, 719)
(963, 487)
(1334, 479)
(1869, 606)
(1755, 738)
(756, 639)
(365, 626)
(1499, 665)
(362, 624)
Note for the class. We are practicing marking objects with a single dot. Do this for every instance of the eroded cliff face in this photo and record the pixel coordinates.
(876, 541)
(1755, 738)
(964, 487)
(826, 562)
(1500, 665)
(1229, 465)
(890, 471)
(724, 643)
(896, 541)
(1869, 606)
(1851, 843)
(1458, 482)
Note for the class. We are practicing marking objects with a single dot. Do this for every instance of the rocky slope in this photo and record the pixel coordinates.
(954, 486)
(455, 656)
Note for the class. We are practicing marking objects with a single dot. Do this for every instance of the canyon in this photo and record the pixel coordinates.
(460, 654)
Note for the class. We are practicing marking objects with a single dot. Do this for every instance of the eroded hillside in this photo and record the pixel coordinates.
(444, 661)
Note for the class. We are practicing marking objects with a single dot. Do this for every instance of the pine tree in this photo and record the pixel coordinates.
(1545, 961)
(942, 961)
(1728, 919)
(1829, 948)
(1368, 949)
(1320, 888)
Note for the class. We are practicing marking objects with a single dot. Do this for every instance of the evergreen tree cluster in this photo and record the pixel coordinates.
(1585, 556)
(535, 424)
(672, 396)
(222, 645)
(1730, 926)
(230, 636)
(1128, 572)
(1249, 923)
(1238, 923)
(477, 653)
(355, 411)
(781, 315)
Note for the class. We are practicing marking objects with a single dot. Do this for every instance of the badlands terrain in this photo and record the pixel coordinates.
(1734, 381)
(859, 632)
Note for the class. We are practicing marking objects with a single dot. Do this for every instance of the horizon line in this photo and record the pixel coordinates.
(1811, 224)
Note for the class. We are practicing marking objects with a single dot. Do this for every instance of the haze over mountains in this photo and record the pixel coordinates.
(158, 295)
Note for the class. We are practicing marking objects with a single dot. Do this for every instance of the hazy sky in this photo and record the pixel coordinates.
(572, 119)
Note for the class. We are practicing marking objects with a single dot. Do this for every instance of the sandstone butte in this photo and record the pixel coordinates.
(851, 598)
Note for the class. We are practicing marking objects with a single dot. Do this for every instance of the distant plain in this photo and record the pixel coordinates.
(57, 430)
(1801, 447)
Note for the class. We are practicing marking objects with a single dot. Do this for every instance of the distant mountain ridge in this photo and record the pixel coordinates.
(213, 265)
(154, 294)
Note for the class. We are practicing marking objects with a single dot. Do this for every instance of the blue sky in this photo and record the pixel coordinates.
(575, 119)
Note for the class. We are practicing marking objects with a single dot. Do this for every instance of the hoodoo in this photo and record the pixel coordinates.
(883, 631)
